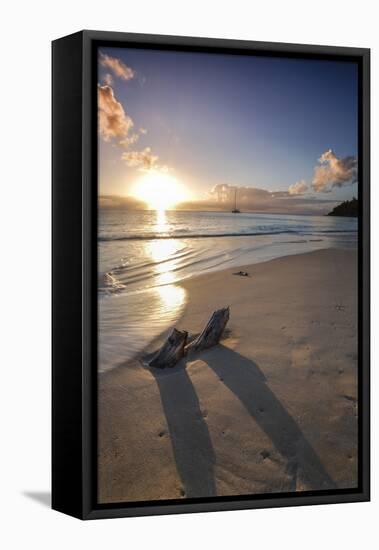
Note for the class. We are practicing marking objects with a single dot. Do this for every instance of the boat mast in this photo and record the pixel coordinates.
(235, 209)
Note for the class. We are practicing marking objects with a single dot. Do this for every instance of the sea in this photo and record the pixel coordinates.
(143, 255)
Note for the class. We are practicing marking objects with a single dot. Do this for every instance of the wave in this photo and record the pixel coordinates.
(128, 323)
(184, 235)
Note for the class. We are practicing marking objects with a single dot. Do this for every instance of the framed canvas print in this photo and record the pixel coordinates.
(210, 274)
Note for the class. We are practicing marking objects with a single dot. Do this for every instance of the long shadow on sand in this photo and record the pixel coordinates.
(191, 443)
(244, 378)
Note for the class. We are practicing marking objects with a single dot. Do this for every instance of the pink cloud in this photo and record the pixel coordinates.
(140, 159)
(334, 172)
(118, 68)
(113, 121)
(298, 188)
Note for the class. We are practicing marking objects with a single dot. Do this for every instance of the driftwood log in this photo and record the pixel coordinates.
(176, 346)
(172, 350)
(212, 332)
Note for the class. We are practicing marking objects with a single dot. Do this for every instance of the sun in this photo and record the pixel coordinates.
(160, 191)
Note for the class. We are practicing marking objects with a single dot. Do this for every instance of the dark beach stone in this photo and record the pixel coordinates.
(242, 273)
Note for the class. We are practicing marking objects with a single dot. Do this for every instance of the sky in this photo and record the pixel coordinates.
(281, 131)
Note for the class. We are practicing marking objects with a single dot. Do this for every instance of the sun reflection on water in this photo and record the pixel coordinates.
(161, 224)
(162, 252)
(172, 300)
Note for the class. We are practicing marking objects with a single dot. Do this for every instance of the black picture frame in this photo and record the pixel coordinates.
(74, 294)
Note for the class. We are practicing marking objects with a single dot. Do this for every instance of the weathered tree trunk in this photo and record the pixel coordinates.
(212, 333)
(171, 352)
(175, 346)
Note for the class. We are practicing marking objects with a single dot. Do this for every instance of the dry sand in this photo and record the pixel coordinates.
(273, 408)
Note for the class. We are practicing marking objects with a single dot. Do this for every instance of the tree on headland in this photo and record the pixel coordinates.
(346, 208)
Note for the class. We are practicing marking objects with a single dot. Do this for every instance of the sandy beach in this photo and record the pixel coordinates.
(272, 408)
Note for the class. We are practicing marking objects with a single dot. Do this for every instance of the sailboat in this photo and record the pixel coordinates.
(235, 209)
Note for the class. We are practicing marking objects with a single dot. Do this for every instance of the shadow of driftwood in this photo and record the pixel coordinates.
(244, 378)
(191, 443)
(41, 497)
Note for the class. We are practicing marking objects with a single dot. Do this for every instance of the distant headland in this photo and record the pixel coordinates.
(346, 208)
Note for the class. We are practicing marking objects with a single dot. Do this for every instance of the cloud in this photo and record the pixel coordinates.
(256, 199)
(252, 199)
(108, 79)
(129, 140)
(133, 138)
(298, 188)
(113, 121)
(334, 172)
(116, 201)
(116, 66)
(225, 193)
(144, 160)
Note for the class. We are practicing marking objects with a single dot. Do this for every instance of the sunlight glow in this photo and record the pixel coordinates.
(159, 190)
(172, 297)
(161, 225)
(161, 250)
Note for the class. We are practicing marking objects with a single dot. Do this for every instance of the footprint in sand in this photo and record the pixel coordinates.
(354, 403)
(350, 398)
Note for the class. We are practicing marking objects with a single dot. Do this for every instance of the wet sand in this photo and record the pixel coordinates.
(273, 408)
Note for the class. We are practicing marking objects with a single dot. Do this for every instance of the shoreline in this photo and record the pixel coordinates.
(156, 342)
(270, 409)
(163, 236)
